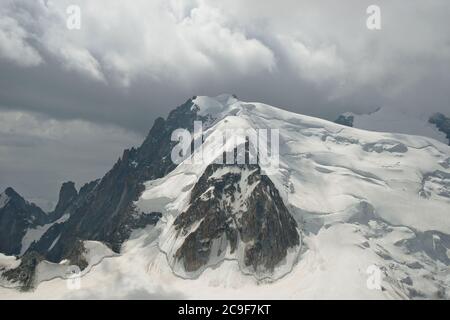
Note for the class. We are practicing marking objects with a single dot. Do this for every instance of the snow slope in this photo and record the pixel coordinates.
(362, 199)
(34, 234)
(397, 120)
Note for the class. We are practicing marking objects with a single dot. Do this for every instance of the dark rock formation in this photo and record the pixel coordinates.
(435, 244)
(346, 120)
(76, 256)
(103, 209)
(67, 195)
(435, 183)
(239, 204)
(442, 123)
(16, 217)
(24, 275)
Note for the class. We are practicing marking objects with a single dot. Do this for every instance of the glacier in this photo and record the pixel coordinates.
(360, 199)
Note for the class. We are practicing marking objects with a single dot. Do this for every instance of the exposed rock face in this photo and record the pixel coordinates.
(103, 209)
(67, 195)
(435, 184)
(435, 244)
(76, 256)
(442, 123)
(16, 217)
(346, 120)
(235, 209)
(24, 274)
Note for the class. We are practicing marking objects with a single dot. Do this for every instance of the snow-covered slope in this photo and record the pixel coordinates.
(399, 121)
(362, 201)
(17, 216)
(34, 234)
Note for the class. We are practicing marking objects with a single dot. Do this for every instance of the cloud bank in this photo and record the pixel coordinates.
(133, 61)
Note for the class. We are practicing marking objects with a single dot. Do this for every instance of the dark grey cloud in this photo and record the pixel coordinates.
(134, 61)
(38, 154)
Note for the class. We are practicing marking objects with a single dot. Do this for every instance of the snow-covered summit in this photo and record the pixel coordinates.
(337, 182)
(214, 105)
(360, 200)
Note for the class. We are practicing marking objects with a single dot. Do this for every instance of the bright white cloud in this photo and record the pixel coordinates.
(322, 42)
(135, 60)
(119, 41)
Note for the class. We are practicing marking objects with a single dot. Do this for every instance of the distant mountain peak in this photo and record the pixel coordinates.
(339, 200)
(67, 194)
(442, 123)
(10, 192)
(16, 217)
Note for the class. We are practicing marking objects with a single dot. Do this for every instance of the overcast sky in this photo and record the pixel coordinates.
(71, 100)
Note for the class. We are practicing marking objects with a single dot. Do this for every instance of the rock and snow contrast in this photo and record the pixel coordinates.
(395, 120)
(17, 218)
(342, 204)
(442, 123)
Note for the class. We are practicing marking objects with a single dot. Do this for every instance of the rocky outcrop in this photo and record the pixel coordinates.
(103, 210)
(67, 195)
(235, 210)
(442, 123)
(434, 244)
(16, 216)
(345, 119)
(76, 257)
(24, 275)
(245, 210)
(435, 184)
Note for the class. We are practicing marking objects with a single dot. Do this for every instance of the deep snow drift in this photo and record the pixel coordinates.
(361, 199)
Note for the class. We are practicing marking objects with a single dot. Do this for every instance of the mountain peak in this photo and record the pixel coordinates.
(333, 205)
(8, 195)
(67, 194)
(11, 193)
(214, 105)
(17, 216)
(235, 212)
